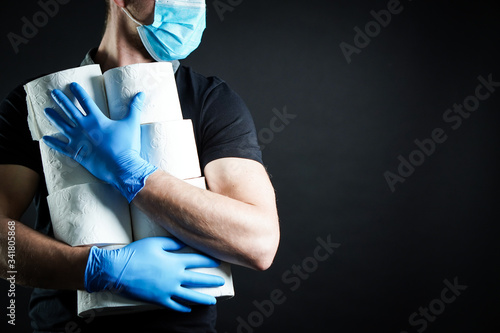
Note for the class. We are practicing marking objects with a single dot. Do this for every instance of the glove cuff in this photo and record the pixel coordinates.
(93, 270)
(135, 171)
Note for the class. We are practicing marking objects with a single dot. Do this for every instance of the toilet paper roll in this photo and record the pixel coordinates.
(38, 96)
(144, 227)
(90, 214)
(171, 146)
(105, 303)
(62, 171)
(32, 123)
(155, 79)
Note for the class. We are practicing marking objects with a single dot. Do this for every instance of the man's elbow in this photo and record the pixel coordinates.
(265, 250)
(263, 263)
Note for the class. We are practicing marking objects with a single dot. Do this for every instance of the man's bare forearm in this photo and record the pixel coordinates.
(228, 229)
(40, 261)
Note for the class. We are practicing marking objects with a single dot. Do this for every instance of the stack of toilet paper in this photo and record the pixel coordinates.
(87, 211)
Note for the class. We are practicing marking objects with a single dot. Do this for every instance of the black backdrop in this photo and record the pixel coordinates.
(423, 257)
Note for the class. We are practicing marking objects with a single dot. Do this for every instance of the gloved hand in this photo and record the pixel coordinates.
(109, 149)
(147, 271)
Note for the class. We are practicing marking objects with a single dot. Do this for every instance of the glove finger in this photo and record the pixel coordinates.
(136, 105)
(195, 297)
(58, 122)
(170, 244)
(86, 101)
(195, 260)
(57, 145)
(73, 113)
(170, 303)
(196, 279)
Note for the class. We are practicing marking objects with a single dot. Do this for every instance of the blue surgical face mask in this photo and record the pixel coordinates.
(176, 31)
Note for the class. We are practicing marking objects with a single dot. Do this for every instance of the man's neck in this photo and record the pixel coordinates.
(121, 44)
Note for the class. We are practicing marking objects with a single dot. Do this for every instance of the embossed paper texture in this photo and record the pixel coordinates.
(86, 211)
(161, 103)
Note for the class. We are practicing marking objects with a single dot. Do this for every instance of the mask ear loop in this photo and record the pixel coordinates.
(131, 17)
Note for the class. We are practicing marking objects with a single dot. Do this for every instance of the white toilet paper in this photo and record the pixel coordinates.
(106, 303)
(38, 95)
(62, 171)
(90, 214)
(156, 80)
(171, 146)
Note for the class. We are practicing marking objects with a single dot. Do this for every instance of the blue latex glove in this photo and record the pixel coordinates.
(109, 149)
(147, 271)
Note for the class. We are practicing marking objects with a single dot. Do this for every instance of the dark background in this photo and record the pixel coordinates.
(327, 165)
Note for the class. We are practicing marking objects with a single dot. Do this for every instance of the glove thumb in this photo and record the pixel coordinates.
(135, 108)
(170, 244)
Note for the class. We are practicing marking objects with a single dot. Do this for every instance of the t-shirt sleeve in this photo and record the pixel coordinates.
(16, 144)
(228, 129)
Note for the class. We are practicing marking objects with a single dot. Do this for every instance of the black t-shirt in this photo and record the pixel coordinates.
(223, 127)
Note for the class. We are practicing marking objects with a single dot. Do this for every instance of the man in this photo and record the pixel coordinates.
(235, 221)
